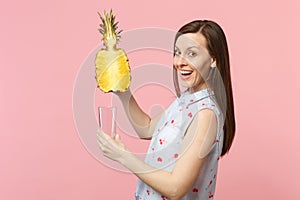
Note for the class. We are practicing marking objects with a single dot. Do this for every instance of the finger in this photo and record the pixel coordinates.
(104, 146)
(118, 138)
(100, 145)
(102, 134)
(101, 139)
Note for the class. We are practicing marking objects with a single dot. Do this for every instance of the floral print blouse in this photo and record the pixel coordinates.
(167, 141)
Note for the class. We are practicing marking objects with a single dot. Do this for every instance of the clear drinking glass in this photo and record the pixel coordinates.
(107, 119)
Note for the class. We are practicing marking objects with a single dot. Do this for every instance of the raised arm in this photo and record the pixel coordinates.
(141, 122)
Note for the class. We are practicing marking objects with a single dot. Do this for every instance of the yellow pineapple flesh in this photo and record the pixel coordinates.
(112, 67)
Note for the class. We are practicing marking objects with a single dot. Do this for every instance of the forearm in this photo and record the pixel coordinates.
(162, 181)
(137, 117)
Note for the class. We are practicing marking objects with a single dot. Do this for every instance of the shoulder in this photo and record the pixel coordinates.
(206, 112)
(208, 106)
(202, 132)
(205, 117)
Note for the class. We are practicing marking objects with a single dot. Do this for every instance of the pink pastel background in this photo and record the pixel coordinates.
(42, 46)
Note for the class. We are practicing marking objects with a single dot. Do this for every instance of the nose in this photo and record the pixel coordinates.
(179, 62)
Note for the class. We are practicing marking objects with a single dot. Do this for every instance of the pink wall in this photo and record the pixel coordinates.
(44, 43)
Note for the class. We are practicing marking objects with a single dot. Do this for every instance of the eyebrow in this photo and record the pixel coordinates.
(197, 47)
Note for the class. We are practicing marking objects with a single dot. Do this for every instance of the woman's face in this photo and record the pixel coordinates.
(192, 61)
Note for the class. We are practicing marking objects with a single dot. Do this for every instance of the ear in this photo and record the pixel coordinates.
(213, 63)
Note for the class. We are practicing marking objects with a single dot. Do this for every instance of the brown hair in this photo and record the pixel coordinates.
(218, 49)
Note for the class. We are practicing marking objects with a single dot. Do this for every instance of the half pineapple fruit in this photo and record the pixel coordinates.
(112, 67)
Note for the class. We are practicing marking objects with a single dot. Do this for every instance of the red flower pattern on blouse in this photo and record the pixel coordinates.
(161, 140)
(163, 197)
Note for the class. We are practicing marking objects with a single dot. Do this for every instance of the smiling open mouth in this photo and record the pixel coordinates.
(186, 73)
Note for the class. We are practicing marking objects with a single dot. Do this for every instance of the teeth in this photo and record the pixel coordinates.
(185, 72)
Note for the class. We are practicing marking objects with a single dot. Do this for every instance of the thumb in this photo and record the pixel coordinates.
(118, 138)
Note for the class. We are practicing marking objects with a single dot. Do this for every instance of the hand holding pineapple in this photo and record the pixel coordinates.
(112, 67)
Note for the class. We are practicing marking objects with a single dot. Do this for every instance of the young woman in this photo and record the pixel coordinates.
(190, 136)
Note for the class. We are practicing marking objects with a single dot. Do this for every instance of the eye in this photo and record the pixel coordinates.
(176, 52)
(192, 53)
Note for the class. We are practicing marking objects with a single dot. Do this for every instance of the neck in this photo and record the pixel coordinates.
(196, 89)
